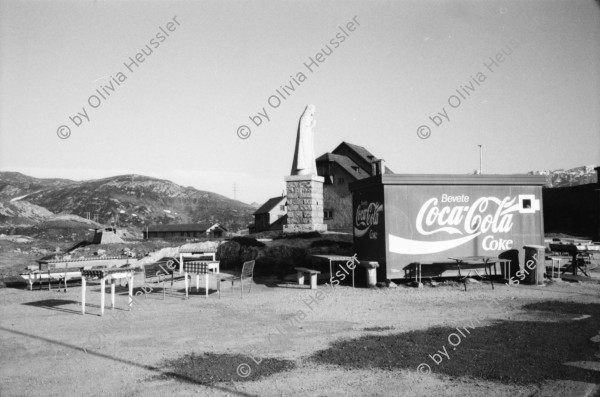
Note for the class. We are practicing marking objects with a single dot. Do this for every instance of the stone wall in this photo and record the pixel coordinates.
(305, 204)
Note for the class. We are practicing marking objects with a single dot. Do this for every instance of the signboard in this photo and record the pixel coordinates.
(403, 219)
(369, 223)
(433, 223)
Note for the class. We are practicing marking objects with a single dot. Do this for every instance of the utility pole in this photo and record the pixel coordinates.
(480, 146)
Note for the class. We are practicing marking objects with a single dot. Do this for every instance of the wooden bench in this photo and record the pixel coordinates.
(311, 272)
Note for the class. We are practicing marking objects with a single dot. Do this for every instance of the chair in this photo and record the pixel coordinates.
(247, 273)
(158, 270)
(579, 260)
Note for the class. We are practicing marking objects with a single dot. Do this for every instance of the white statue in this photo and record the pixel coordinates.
(304, 155)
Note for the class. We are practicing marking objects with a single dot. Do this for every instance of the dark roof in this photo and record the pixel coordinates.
(346, 163)
(361, 156)
(361, 151)
(269, 205)
(278, 222)
(184, 227)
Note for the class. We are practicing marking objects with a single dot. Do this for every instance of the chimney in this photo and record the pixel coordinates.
(381, 166)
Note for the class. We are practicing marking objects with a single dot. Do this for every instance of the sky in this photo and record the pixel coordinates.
(420, 84)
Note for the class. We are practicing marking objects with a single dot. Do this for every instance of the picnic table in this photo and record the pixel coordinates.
(339, 258)
(475, 262)
(111, 274)
(62, 275)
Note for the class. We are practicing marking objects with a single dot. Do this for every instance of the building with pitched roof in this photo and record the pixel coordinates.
(345, 164)
(185, 230)
(270, 216)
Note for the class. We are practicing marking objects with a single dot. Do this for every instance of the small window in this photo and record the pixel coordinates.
(282, 208)
(341, 181)
(327, 214)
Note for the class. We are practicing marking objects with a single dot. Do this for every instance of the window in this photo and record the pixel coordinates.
(327, 214)
(282, 208)
(341, 181)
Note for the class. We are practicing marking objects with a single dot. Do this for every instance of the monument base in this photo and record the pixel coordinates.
(304, 204)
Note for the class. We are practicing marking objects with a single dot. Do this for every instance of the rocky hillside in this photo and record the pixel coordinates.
(575, 176)
(22, 213)
(14, 185)
(129, 200)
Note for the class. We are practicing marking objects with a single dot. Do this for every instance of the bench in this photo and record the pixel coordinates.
(313, 276)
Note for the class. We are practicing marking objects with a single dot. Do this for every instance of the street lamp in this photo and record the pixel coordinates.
(480, 146)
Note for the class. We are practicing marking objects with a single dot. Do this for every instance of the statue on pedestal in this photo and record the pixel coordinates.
(304, 155)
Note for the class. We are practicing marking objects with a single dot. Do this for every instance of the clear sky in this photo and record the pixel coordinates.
(176, 114)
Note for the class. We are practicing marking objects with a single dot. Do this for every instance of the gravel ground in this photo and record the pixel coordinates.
(49, 348)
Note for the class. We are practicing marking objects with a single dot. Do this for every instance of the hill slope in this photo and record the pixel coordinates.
(572, 177)
(131, 200)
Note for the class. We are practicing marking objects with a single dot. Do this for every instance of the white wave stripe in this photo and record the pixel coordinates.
(401, 245)
(359, 233)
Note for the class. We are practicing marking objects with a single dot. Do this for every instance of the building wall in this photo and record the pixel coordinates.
(573, 210)
(261, 222)
(189, 234)
(337, 198)
(277, 212)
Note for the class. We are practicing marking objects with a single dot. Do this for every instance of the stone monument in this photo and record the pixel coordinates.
(304, 186)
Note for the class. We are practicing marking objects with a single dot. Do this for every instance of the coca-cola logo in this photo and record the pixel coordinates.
(464, 219)
(490, 215)
(367, 215)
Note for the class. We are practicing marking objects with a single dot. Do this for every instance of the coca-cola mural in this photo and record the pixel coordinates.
(369, 228)
(429, 223)
(460, 222)
(366, 216)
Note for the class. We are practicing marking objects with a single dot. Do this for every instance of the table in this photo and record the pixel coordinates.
(112, 275)
(339, 258)
(194, 254)
(573, 251)
(63, 275)
(557, 260)
(201, 267)
(474, 262)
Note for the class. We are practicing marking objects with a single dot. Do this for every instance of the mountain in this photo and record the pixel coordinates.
(129, 200)
(14, 184)
(22, 213)
(572, 177)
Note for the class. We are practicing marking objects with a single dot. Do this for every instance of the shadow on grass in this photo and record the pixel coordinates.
(521, 352)
(211, 368)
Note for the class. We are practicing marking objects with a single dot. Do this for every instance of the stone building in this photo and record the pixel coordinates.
(345, 164)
